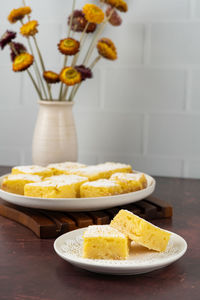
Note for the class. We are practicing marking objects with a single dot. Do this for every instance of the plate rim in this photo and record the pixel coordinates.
(121, 267)
(79, 204)
(152, 185)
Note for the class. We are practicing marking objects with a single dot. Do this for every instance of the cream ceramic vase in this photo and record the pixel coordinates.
(54, 138)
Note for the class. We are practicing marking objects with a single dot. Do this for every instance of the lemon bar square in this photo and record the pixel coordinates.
(75, 179)
(91, 172)
(114, 167)
(15, 183)
(99, 188)
(101, 171)
(141, 231)
(65, 167)
(33, 170)
(63, 186)
(104, 242)
(130, 182)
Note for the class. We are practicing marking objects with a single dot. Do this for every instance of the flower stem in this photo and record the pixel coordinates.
(65, 91)
(93, 43)
(29, 73)
(82, 41)
(35, 66)
(24, 3)
(42, 65)
(73, 92)
(34, 83)
(61, 86)
(71, 19)
(95, 61)
(37, 71)
(76, 87)
(65, 59)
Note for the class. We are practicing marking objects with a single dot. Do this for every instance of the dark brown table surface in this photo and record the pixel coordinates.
(30, 269)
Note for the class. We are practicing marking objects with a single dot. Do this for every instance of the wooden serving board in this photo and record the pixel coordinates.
(50, 224)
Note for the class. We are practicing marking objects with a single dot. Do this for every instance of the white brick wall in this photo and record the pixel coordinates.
(143, 109)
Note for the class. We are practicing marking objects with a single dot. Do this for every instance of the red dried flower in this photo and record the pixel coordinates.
(86, 73)
(79, 22)
(115, 18)
(16, 48)
(6, 38)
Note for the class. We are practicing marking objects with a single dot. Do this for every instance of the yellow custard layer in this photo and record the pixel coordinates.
(141, 231)
(77, 181)
(104, 242)
(33, 170)
(130, 182)
(101, 171)
(99, 188)
(65, 167)
(15, 183)
(63, 186)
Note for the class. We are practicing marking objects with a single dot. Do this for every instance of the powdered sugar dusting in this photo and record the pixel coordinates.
(60, 180)
(102, 231)
(66, 166)
(101, 168)
(101, 183)
(30, 177)
(69, 179)
(31, 169)
(139, 255)
(127, 176)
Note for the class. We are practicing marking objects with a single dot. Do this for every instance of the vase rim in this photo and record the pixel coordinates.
(55, 102)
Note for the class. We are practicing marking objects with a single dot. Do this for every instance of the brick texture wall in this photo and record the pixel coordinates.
(143, 109)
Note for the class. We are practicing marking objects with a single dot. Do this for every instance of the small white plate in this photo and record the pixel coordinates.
(141, 260)
(79, 204)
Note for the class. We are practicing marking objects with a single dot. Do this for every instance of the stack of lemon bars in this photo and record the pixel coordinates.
(114, 241)
(74, 180)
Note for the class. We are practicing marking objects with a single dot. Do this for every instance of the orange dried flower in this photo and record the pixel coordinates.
(107, 49)
(29, 29)
(22, 62)
(69, 46)
(18, 14)
(121, 5)
(51, 77)
(93, 13)
(70, 76)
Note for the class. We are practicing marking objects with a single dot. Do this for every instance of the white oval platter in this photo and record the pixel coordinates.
(79, 204)
(141, 260)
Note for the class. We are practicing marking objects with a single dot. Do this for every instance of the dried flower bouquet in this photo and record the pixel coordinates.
(92, 19)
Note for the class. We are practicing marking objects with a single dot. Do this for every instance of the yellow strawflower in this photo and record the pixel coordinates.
(29, 29)
(70, 76)
(93, 13)
(22, 62)
(18, 14)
